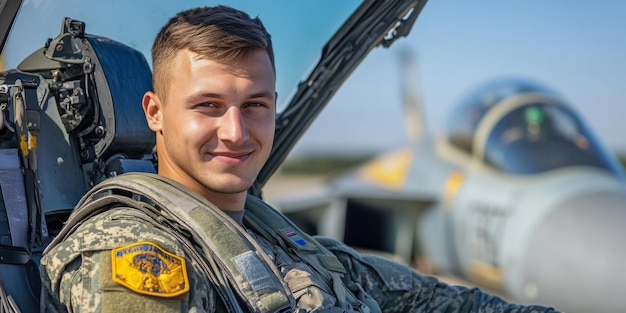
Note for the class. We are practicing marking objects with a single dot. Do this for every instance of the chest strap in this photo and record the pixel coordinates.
(233, 256)
(276, 227)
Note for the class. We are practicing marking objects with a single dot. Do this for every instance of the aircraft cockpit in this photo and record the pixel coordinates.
(521, 128)
(539, 137)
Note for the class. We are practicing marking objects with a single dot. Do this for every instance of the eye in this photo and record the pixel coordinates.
(207, 108)
(255, 105)
(207, 104)
(258, 109)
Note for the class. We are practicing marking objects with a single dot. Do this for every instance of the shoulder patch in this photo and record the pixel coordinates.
(295, 239)
(146, 268)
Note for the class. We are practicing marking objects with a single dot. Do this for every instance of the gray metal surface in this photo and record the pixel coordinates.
(12, 186)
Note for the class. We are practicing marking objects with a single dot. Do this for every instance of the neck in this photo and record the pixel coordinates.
(225, 202)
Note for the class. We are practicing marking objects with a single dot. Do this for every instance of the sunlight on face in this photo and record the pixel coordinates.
(216, 127)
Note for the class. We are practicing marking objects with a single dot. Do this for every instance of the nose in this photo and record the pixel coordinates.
(233, 126)
(576, 258)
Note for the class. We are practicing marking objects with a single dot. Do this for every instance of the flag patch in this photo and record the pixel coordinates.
(295, 239)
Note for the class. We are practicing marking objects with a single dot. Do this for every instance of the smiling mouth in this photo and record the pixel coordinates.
(231, 158)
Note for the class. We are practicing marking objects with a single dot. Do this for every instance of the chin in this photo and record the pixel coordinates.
(232, 184)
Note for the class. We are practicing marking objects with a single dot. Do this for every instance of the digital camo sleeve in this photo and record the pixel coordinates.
(398, 288)
(150, 276)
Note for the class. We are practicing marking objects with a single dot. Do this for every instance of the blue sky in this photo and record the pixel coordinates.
(577, 48)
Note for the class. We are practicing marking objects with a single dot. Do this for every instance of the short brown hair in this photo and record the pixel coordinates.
(220, 33)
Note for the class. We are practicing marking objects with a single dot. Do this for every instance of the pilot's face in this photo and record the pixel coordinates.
(216, 126)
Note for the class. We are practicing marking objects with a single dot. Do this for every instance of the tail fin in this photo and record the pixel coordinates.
(411, 96)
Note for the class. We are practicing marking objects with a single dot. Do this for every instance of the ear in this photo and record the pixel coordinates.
(152, 108)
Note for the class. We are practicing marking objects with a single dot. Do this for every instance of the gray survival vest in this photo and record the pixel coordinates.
(229, 256)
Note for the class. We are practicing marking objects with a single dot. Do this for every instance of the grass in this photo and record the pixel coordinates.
(321, 165)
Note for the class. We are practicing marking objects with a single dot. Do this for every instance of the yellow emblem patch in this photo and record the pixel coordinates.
(147, 268)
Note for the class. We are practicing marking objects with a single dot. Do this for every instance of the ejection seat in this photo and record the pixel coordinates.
(72, 118)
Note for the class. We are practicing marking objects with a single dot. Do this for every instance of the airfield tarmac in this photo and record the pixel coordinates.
(282, 185)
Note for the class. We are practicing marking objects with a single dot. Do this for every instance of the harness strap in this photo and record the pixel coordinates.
(270, 222)
(107, 200)
(226, 245)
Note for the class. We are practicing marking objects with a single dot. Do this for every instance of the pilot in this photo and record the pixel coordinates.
(212, 110)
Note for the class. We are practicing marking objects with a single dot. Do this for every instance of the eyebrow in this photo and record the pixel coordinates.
(261, 94)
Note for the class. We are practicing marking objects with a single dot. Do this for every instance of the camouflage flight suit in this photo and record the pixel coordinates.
(77, 275)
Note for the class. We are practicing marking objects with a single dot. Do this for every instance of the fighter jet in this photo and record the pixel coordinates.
(518, 195)
(70, 113)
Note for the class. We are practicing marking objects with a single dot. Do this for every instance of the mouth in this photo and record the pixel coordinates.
(231, 158)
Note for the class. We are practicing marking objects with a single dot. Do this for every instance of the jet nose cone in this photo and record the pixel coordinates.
(576, 258)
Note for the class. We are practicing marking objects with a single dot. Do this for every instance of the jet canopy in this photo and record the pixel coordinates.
(522, 128)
